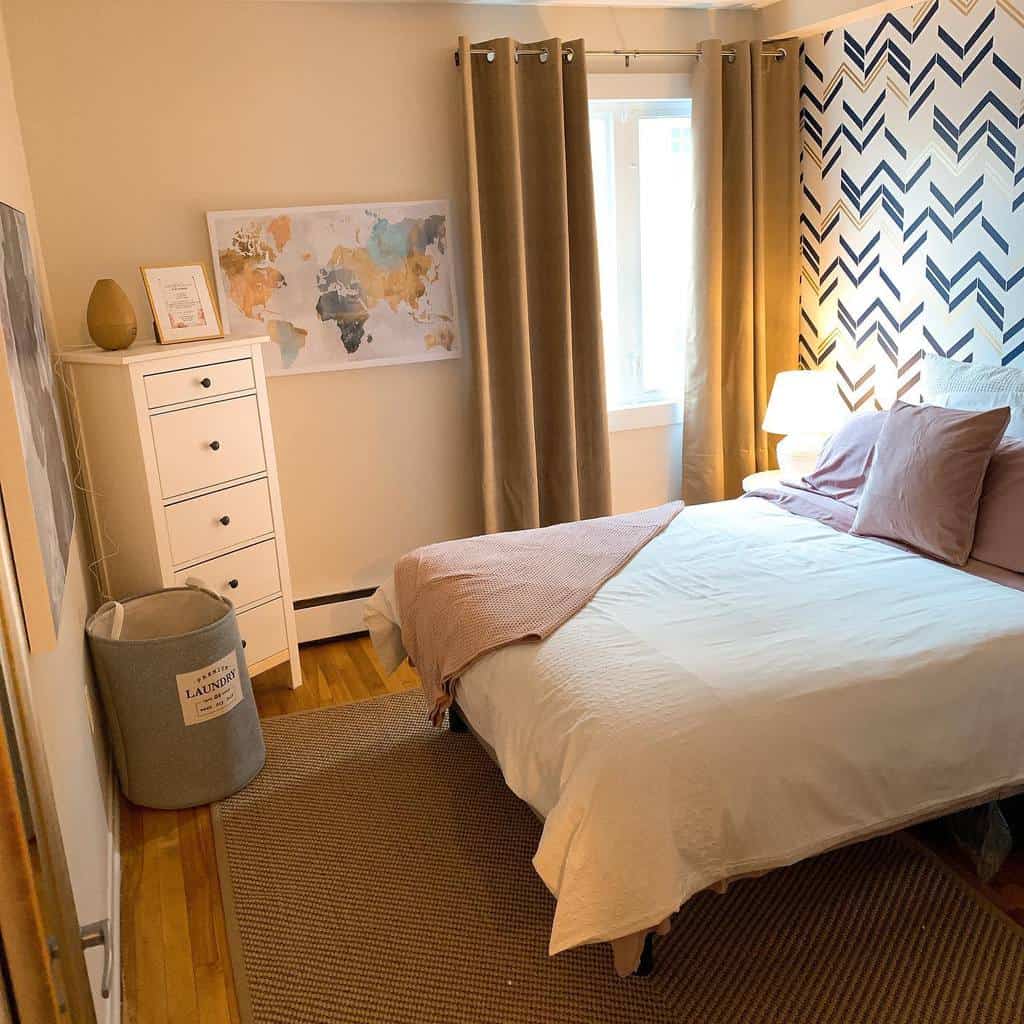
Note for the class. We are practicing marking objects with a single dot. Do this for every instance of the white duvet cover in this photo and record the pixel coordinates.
(751, 689)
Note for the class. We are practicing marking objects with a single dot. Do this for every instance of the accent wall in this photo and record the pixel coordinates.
(912, 223)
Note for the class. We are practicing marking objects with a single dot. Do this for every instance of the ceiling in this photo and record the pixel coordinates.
(699, 5)
(694, 5)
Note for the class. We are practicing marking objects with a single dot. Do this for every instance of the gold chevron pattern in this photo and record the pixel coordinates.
(913, 237)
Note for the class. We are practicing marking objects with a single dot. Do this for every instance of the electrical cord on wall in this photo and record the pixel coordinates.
(102, 547)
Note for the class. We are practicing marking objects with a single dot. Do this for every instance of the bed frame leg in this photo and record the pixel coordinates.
(645, 968)
(456, 723)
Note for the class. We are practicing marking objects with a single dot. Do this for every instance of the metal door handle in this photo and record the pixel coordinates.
(98, 934)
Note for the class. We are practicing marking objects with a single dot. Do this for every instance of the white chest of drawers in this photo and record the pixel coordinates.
(178, 457)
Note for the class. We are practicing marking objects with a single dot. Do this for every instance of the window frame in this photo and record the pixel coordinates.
(638, 87)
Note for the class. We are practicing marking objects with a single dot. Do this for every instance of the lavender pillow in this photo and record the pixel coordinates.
(925, 483)
(845, 461)
(998, 537)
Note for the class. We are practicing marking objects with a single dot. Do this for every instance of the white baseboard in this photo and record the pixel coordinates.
(322, 618)
(113, 1007)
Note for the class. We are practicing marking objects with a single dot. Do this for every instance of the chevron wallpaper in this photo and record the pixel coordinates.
(912, 223)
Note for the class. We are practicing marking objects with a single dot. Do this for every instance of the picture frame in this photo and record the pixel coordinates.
(35, 482)
(341, 286)
(181, 299)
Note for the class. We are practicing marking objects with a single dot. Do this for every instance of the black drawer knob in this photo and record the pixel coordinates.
(243, 644)
(206, 382)
(215, 446)
(225, 520)
(233, 584)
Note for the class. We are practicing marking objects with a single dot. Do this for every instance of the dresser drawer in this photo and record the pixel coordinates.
(198, 382)
(243, 577)
(263, 631)
(207, 445)
(214, 522)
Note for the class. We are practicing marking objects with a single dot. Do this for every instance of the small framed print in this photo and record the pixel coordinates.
(182, 303)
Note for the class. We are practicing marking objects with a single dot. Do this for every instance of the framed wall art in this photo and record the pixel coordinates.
(182, 303)
(34, 482)
(339, 287)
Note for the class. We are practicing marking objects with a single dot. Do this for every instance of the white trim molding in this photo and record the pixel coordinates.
(645, 417)
(812, 17)
(331, 615)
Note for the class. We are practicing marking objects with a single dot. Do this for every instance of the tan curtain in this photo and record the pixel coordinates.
(746, 267)
(535, 299)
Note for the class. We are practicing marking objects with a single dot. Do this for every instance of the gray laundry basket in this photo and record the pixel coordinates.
(177, 696)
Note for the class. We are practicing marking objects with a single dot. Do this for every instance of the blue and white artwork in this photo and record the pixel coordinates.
(912, 223)
(30, 391)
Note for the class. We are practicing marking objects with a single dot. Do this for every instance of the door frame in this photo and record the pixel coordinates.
(35, 970)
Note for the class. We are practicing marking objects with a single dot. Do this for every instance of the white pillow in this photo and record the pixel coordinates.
(974, 388)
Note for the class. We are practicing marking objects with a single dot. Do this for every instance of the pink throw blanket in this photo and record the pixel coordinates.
(461, 599)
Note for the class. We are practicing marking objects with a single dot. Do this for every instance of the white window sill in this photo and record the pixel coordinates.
(643, 417)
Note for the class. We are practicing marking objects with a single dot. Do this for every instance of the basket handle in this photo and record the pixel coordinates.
(118, 622)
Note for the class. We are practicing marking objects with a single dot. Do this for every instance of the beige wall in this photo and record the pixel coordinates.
(61, 681)
(139, 117)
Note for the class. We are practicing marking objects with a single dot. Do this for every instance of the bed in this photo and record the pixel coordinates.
(753, 688)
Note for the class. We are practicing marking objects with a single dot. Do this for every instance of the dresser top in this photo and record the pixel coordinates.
(147, 351)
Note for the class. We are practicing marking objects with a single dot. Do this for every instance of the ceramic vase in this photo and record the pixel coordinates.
(111, 319)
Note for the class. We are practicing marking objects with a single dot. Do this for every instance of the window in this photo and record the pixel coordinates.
(642, 181)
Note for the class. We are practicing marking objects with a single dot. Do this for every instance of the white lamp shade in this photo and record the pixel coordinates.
(804, 402)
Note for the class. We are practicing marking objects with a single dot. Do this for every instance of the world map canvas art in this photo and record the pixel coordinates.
(338, 287)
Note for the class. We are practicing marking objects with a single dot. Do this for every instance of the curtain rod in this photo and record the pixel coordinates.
(569, 55)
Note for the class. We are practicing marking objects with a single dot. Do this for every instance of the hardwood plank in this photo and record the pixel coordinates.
(148, 927)
(317, 679)
(199, 874)
(179, 966)
(365, 668)
(131, 882)
(360, 685)
(339, 676)
(404, 677)
(211, 956)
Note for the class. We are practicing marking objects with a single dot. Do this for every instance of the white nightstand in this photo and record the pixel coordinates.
(768, 480)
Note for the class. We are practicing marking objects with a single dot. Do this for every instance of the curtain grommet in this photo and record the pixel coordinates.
(492, 56)
(568, 55)
(543, 55)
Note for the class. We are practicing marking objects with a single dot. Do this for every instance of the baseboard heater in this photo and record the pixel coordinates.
(331, 616)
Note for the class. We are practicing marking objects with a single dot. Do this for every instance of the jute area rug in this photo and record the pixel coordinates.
(378, 870)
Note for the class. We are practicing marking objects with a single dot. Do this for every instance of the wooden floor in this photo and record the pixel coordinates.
(175, 964)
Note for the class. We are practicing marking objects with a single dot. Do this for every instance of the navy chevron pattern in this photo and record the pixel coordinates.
(912, 227)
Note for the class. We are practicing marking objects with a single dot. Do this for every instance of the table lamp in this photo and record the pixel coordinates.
(805, 406)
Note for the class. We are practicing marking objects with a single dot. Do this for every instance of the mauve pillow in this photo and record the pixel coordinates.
(998, 537)
(845, 461)
(925, 483)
